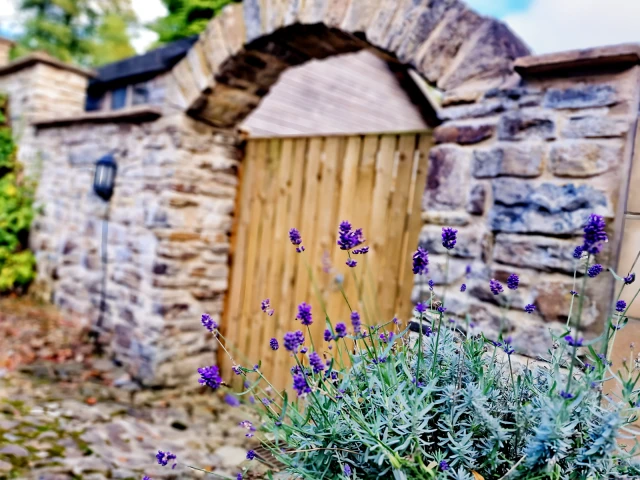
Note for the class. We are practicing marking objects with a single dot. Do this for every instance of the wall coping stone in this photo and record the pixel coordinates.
(141, 114)
(627, 54)
(40, 57)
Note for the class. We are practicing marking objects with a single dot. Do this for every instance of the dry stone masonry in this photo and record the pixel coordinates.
(525, 148)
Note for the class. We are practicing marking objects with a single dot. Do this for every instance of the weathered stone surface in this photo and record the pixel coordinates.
(477, 199)
(447, 178)
(533, 251)
(522, 125)
(581, 96)
(596, 126)
(445, 218)
(358, 15)
(470, 241)
(444, 43)
(518, 160)
(489, 53)
(521, 207)
(584, 158)
(474, 110)
(463, 134)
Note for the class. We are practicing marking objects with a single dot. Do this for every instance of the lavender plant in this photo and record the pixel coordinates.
(375, 400)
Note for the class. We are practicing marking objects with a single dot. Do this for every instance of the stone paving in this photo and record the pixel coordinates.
(66, 414)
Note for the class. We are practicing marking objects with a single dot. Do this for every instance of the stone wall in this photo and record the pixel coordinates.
(168, 244)
(518, 170)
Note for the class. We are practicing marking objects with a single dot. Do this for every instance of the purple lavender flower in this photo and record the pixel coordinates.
(165, 457)
(441, 309)
(495, 287)
(463, 287)
(292, 341)
(577, 252)
(251, 455)
(210, 376)
(347, 470)
(351, 262)
(396, 321)
(566, 395)
(348, 238)
(379, 360)
(208, 322)
(304, 314)
(146, 478)
(421, 307)
(327, 335)
(431, 284)
(508, 349)
(341, 330)
(621, 306)
(300, 385)
(573, 293)
(629, 279)
(449, 237)
(594, 270)
(356, 323)
(529, 308)
(295, 237)
(273, 343)
(231, 400)
(239, 476)
(236, 369)
(316, 362)
(444, 466)
(361, 251)
(467, 271)
(265, 306)
(513, 281)
(420, 261)
(594, 234)
(573, 342)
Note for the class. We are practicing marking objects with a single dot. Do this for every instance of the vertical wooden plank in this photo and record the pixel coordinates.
(250, 306)
(396, 223)
(279, 249)
(233, 310)
(311, 208)
(263, 324)
(362, 219)
(288, 281)
(414, 224)
(338, 308)
(379, 216)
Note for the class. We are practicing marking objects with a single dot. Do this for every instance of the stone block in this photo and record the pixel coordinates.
(596, 126)
(477, 199)
(469, 245)
(523, 125)
(486, 108)
(464, 134)
(233, 28)
(581, 96)
(522, 207)
(447, 178)
(445, 218)
(214, 47)
(518, 160)
(252, 19)
(312, 11)
(357, 16)
(487, 53)
(439, 51)
(533, 251)
(584, 158)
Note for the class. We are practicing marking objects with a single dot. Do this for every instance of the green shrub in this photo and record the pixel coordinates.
(17, 263)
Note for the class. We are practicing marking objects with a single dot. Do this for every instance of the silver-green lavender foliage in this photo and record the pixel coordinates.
(453, 404)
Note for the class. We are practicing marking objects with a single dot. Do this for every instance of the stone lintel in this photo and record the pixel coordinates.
(40, 57)
(625, 55)
(130, 115)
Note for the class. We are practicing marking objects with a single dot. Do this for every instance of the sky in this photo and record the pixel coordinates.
(545, 25)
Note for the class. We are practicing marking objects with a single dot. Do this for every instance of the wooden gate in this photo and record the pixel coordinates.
(374, 181)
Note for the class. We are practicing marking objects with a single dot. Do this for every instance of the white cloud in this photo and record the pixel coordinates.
(147, 10)
(556, 25)
(143, 39)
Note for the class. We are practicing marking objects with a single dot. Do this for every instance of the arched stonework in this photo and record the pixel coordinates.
(244, 50)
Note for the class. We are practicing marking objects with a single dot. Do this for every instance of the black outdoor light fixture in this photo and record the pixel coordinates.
(104, 180)
(105, 177)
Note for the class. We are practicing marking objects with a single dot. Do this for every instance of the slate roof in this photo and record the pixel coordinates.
(142, 67)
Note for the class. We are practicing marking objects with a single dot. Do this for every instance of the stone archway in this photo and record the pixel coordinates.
(244, 50)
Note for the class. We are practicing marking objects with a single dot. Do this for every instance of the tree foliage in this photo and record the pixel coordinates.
(17, 263)
(186, 18)
(87, 32)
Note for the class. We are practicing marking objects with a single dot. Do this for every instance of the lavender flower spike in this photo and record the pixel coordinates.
(621, 306)
(304, 314)
(449, 237)
(513, 281)
(210, 376)
(495, 287)
(420, 261)
(208, 322)
(594, 234)
(594, 270)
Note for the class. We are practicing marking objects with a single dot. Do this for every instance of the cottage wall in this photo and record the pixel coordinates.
(168, 241)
